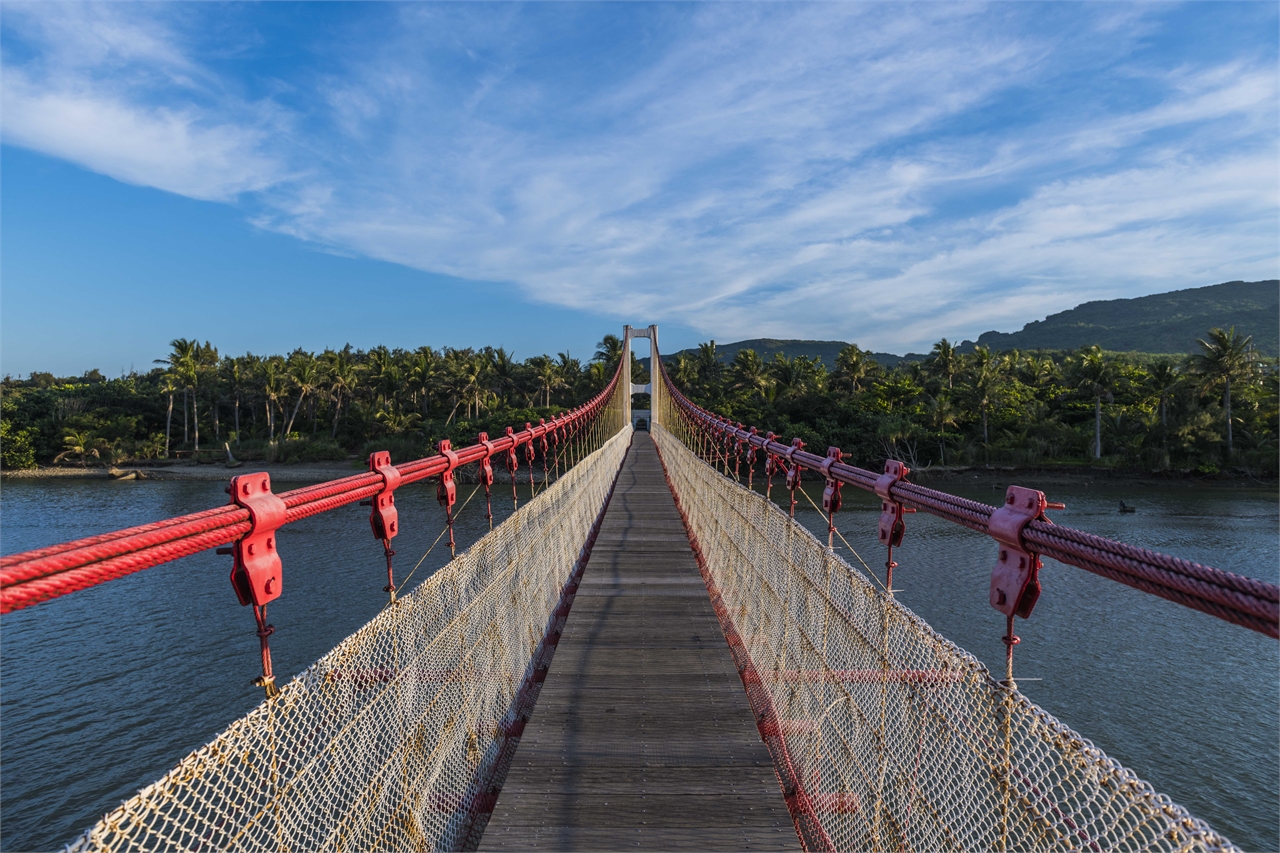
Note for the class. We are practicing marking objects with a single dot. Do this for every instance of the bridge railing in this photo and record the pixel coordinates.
(1244, 601)
(42, 574)
(883, 733)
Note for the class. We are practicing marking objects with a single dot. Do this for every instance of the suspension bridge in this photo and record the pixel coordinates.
(647, 654)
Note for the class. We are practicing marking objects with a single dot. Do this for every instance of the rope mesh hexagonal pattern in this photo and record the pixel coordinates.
(884, 734)
(393, 739)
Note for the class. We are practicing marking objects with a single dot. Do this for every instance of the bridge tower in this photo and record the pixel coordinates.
(652, 334)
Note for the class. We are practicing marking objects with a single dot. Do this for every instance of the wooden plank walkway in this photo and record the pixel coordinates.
(642, 736)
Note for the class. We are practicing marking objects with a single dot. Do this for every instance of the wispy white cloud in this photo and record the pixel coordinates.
(881, 173)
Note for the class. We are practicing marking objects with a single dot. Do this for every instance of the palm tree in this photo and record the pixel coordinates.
(1095, 375)
(304, 373)
(853, 367)
(750, 374)
(944, 361)
(503, 373)
(684, 371)
(943, 415)
(609, 351)
(1223, 357)
(986, 382)
(343, 379)
(546, 373)
(1163, 380)
(181, 361)
(79, 444)
(570, 368)
(168, 387)
(271, 381)
(235, 375)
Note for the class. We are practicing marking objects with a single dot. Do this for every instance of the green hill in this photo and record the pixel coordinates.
(825, 351)
(1160, 323)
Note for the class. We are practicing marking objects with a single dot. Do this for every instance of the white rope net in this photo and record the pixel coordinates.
(886, 735)
(393, 740)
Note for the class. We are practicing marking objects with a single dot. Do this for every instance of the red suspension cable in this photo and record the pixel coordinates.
(1244, 601)
(34, 576)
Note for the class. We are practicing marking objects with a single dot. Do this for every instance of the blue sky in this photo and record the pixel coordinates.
(281, 175)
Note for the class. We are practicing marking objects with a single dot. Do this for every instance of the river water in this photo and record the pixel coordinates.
(103, 691)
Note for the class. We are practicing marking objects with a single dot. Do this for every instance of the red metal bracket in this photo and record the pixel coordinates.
(793, 467)
(831, 494)
(486, 468)
(257, 575)
(892, 525)
(446, 490)
(1015, 579)
(485, 474)
(384, 518)
(513, 461)
(529, 453)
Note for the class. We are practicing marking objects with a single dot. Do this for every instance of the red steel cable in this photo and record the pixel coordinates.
(1248, 602)
(44, 573)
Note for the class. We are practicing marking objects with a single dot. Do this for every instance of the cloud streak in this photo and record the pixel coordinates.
(885, 174)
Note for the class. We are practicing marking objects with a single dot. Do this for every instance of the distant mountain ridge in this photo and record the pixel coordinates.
(1160, 323)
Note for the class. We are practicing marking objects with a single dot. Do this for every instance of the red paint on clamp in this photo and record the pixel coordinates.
(891, 524)
(513, 461)
(1015, 579)
(257, 575)
(793, 467)
(528, 448)
(831, 494)
(446, 490)
(485, 472)
(384, 518)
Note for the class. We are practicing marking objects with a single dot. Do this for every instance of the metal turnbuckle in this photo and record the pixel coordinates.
(447, 490)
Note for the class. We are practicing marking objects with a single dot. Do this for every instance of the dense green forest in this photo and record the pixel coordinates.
(300, 407)
(1215, 410)
(1212, 411)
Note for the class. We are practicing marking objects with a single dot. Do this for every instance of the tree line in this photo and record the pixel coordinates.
(303, 406)
(1211, 411)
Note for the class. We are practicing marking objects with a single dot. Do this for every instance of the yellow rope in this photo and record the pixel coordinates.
(842, 539)
(404, 583)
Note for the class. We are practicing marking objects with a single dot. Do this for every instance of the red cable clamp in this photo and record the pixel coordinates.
(257, 575)
(793, 467)
(770, 460)
(384, 518)
(486, 469)
(831, 494)
(528, 448)
(1015, 581)
(513, 462)
(446, 490)
(892, 525)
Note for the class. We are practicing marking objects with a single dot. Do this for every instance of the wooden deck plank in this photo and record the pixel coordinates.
(642, 737)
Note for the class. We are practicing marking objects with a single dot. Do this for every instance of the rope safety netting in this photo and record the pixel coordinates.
(399, 737)
(884, 734)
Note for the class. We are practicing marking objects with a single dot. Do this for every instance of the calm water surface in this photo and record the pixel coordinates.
(103, 691)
